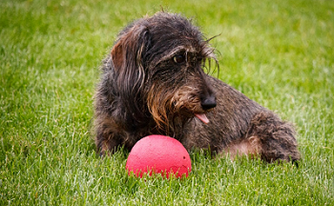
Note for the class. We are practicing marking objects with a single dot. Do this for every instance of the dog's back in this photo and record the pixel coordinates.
(240, 126)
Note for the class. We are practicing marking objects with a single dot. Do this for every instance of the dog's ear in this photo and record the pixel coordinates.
(128, 50)
(128, 58)
(117, 55)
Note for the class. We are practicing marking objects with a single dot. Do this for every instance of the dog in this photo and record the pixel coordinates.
(154, 82)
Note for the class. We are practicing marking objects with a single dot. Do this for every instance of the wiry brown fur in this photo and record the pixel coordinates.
(153, 83)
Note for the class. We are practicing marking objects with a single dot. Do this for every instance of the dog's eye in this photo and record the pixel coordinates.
(179, 59)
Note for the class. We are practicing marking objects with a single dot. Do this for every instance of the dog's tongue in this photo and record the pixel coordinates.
(202, 117)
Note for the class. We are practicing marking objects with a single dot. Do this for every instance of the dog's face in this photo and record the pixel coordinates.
(159, 63)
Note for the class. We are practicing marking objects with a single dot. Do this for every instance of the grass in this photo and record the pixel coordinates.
(279, 53)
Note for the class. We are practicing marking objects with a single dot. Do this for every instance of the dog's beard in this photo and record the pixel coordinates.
(186, 98)
(183, 104)
(166, 106)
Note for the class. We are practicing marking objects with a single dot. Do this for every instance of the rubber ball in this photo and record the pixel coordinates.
(159, 154)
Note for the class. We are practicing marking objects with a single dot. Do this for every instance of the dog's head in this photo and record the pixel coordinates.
(159, 64)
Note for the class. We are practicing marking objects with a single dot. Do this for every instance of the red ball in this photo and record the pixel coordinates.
(159, 154)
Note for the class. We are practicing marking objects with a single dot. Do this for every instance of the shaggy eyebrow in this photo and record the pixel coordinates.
(179, 50)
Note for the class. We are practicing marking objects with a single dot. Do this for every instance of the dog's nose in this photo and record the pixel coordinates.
(208, 102)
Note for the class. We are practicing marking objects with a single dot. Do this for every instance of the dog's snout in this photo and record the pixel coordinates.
(208, 102)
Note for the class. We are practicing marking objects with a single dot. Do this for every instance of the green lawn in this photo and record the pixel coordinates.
(279, 53)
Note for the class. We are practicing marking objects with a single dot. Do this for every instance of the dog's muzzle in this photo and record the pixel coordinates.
(207, 104)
